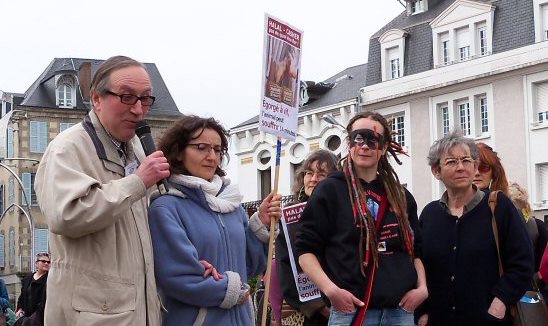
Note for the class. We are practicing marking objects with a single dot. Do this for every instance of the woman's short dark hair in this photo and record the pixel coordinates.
(42, 254)
(178, 136)
(324, 158)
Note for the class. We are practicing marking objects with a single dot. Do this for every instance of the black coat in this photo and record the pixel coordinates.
(33, 294)
(460, 260)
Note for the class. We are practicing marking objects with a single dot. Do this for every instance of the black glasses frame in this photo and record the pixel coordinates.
(131, 99)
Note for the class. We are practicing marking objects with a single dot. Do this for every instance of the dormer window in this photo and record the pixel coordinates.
(540, 12)
(462, 32)
(418, 6)
(392, 53)
(65, 91)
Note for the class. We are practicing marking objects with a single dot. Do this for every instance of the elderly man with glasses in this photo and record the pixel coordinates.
(91, 185)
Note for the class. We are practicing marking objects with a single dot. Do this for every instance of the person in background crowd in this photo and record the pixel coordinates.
(33, 291)
(459, 251)
(492, 176)
(205, 246)
(91, 186)
(317, 166)
(535, 227)
(542, 276)
(4, 302)
(359, 240)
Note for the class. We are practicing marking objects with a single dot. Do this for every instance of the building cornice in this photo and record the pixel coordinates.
(456, 73)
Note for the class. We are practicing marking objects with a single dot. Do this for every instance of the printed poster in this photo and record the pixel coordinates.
(280, 79)
(291, 215)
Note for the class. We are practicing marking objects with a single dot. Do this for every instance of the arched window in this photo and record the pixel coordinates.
(65, 92)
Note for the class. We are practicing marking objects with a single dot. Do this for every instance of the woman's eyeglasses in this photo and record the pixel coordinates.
(454, 162)
(206, 148)
(319, 174)
(43, 261)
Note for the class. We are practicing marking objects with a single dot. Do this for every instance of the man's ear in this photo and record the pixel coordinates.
(436, 171)
(95, 99)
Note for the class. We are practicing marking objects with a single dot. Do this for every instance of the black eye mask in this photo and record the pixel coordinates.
(367, 137)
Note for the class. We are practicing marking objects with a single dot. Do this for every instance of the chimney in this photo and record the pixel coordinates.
(84, 76)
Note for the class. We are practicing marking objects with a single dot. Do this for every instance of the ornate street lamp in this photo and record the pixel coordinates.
(27, 212)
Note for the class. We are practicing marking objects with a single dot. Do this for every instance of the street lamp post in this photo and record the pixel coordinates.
(31, 225)
(332, 121)
(27, 213)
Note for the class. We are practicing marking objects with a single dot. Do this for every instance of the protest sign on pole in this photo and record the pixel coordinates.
(279, 104)
(291, 216)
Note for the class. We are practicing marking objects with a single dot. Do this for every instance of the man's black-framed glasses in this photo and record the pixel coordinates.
(131, 99)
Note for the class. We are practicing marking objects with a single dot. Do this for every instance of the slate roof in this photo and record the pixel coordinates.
(513, 27)
(344, 89)
(42, 92)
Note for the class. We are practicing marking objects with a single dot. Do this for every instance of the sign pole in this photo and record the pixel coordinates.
(273, 223)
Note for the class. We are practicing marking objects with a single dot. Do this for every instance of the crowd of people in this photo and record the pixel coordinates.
(124, 254)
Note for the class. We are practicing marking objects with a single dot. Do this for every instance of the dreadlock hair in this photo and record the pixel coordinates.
(394, 192)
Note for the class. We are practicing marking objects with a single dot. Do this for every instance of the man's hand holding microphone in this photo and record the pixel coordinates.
(155, 168)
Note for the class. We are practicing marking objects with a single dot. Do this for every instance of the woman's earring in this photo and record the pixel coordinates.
(490, 183)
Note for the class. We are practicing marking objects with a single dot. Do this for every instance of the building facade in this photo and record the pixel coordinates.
(58, 99)
(477, 66)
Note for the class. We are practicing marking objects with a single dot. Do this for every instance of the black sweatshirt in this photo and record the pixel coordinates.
(329, 232)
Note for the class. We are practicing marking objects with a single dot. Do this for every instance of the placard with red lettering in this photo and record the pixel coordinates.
(280, 79)
(290, 220)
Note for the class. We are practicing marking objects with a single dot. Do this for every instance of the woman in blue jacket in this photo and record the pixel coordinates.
(4, 302)
(205, 246)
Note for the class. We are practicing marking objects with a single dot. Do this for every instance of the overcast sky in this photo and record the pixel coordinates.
(208, 52)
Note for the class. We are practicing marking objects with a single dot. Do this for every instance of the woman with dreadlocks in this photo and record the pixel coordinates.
(359, 239)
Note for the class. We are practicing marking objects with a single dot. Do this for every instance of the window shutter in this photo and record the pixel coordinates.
(26, 179)
(9, 140)
(38, 136)
(11, 187)
(542, 170)
(542, 101)
(12, 247)
(65, 125)
(544, 9)
(2, 252)
(43, 143)
(2, 198)
(34, 136)
(40, 241)
(392, 53)
(463, 39)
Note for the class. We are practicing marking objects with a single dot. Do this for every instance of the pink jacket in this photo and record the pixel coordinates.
(543, 269)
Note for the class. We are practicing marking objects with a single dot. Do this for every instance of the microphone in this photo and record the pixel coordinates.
(143, 132)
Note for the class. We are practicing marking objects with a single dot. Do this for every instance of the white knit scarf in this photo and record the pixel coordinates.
(224, 202)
